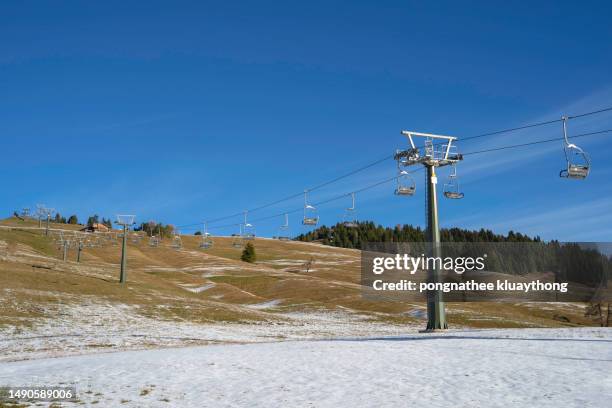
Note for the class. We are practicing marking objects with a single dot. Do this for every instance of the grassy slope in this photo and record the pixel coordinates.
(164, 282)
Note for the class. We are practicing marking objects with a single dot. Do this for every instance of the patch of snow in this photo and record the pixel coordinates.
(197, 289)
(266, 305)
(94, 326)
(417, 313)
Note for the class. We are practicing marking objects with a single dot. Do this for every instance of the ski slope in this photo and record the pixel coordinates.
(468, 368)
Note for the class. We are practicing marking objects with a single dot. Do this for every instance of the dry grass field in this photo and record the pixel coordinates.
(174, 296)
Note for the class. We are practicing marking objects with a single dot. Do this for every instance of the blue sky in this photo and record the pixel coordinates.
(185, 111)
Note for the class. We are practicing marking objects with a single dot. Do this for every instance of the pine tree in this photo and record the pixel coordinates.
(92, 220)
(248, 254)
(73, 219)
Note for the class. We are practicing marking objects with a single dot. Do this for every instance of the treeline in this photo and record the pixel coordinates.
(156, 229)
(74, 220)
(352, 237)
(95, 219)
(513, 253)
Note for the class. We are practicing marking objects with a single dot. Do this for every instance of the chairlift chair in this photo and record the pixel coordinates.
(283, 231)
(154, 241)
(135, 238)
(248, 230)
(237, 240)
(350, 219)
(57, 237)
(406, 185)
(60, 240)
(206, 242)
(578, 162)
(451, 187)
(177, 242)
(310, 212)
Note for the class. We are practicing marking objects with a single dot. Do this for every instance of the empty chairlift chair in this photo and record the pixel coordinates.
(350, 218)
(578, 162)
(283, 231)
(177, 242)
(206, 241)
(451, 187)
(248, 230)
(310, 213)
(153, 241)
(405, 183)
(237, 241)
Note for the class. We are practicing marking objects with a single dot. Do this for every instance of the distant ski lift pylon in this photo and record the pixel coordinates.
(207, 241)
(125, 220)
(350, 217)
(578, 162)
(451, 187)
(310, 213)
(248, 232)
(283, 231)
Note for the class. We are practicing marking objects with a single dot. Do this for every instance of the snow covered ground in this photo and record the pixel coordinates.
(95, 326)
(467, 368)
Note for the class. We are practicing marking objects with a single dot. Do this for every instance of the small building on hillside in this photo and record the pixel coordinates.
(96, 227)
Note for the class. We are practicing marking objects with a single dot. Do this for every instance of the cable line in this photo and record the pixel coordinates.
(590, 113)
(387, 180)
(335, 198)
(556, 139)
(387, 157)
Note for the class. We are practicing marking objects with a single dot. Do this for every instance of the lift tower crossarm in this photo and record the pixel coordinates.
(413, 157)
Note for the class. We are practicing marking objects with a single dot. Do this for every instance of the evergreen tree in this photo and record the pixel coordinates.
(73, 219)
(107, 222)
(248, 254)
(92, 220)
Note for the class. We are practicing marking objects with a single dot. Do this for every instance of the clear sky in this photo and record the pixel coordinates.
(185, 111)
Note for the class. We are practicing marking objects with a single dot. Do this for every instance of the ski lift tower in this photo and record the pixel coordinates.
(47, 213)
(40, 213)
(125, 221)
(437, 151)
